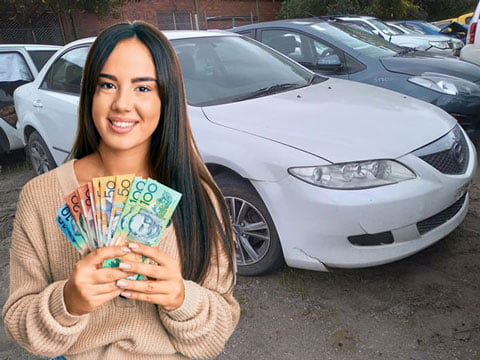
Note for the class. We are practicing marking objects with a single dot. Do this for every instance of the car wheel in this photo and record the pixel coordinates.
(258, 249)
(39, 155)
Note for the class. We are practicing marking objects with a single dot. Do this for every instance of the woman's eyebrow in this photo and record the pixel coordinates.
(137, 79)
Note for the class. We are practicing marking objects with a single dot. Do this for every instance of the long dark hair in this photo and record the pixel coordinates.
(174, 159)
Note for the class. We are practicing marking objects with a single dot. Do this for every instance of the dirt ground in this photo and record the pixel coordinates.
(426, 307)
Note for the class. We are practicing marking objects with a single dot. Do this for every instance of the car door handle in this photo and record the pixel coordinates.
(38, 104)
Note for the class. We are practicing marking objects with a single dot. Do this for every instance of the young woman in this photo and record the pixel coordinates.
(132, 119)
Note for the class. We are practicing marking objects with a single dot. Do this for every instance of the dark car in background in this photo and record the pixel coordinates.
(333, 48)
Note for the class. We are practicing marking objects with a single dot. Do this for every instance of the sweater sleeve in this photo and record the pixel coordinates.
(35, 314)
(201, 326)
(208, 316)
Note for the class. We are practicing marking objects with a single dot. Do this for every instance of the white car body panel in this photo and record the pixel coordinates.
(471, 51)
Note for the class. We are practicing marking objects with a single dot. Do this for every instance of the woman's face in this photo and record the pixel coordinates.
(126, 104)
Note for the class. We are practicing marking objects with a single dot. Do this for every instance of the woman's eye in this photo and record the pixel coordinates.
(106, 85)
(143, 89)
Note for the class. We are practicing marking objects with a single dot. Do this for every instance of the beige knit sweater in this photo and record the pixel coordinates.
(41, 259)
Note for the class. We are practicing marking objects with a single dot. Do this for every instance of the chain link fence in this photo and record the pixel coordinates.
(46, 30)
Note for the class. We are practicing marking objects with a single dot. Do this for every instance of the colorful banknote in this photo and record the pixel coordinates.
(115, 210)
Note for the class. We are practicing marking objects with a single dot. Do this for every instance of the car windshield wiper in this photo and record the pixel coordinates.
(268, 90)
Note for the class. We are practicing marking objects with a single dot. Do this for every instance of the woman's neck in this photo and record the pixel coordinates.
(123, 162)
(108, 163)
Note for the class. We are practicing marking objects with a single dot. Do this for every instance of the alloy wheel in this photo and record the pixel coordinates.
(251, 231)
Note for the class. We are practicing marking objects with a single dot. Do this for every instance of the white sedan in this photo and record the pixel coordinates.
(318, 173)
(19, 64)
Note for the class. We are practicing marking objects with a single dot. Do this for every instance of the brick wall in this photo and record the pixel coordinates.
(88, 24)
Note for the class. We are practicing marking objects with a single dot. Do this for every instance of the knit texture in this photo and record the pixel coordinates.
(41, 260)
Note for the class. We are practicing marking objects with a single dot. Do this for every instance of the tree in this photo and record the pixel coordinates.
(383, 9)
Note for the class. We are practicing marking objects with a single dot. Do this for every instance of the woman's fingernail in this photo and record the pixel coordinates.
(133, 246)
(122, 283)
(126, 249)
(126, 293)
(125, 266)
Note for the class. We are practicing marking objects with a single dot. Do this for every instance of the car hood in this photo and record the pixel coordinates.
(417, 63)
(338, 120)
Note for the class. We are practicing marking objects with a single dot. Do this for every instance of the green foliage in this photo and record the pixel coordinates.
(383, 9)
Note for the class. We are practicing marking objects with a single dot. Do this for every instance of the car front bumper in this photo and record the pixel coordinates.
(314, 223)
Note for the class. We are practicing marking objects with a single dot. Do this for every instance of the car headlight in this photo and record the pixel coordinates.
(354, 175)
(440, 44)
(446, 84)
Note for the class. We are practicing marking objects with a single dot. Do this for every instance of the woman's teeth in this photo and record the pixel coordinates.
(122, 124)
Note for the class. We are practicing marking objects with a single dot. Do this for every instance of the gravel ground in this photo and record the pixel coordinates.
(425, 307)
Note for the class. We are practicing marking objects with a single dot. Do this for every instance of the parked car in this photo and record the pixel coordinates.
(331, 47)
(19, 64)
(319, 172)
(462, 19)
(442, 45)
(471, 51)
(456, 31)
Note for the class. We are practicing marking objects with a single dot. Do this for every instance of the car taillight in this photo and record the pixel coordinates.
(473, 29)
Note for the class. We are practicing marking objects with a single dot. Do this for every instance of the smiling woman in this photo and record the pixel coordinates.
(132, 120)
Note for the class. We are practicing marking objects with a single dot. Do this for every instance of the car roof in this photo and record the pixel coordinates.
(29, 47)
(352, 17)
(170, 34)
(292, 22)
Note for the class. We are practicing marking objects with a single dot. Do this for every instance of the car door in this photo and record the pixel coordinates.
(56, 101)
(313, 53)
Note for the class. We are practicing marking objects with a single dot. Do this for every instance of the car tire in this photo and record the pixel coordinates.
(258, 249)
(39, 155)
(4, 143)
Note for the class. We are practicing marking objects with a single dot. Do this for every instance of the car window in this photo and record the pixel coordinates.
(384, 28)
(358, 40)
(313, 53)
(296, 46)
(249, 33)
(218, 70)
(431, 26)
(13, 67)
(415, 28)
(65, 74)
(40, 57)
(14, 72)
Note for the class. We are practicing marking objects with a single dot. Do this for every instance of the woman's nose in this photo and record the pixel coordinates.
(123, 101)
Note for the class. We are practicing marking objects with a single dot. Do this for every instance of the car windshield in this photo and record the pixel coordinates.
(222, 69)
(358, 40)
(384, 28)
(431, 26)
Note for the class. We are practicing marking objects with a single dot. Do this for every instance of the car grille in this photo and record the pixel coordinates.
(452, 157)
(442, 217)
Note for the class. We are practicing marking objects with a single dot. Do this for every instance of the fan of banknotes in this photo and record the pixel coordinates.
(114, 210)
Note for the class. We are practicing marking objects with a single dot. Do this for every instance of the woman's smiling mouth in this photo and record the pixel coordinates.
(121, 126)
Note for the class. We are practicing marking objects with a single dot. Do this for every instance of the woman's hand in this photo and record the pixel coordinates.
(90, 285)
(164, 286)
